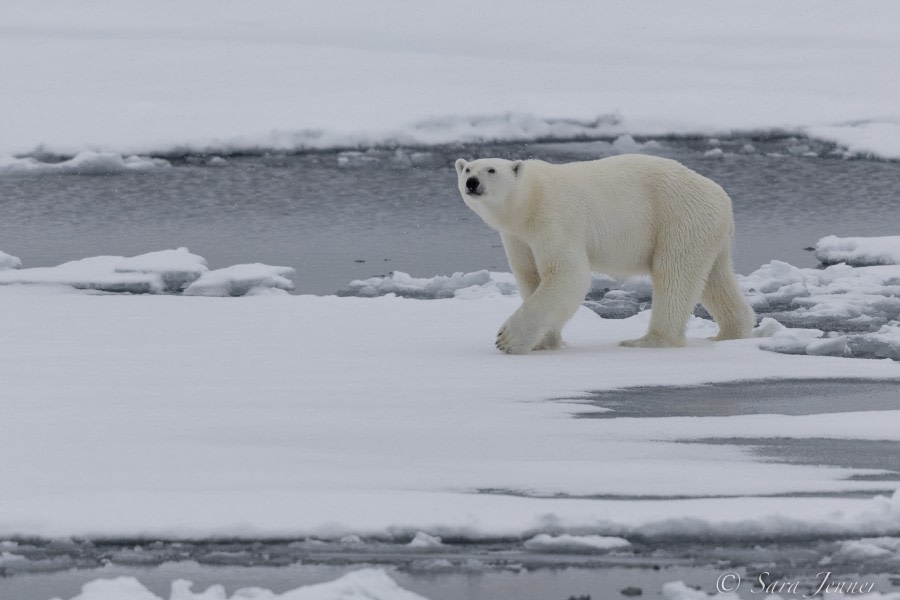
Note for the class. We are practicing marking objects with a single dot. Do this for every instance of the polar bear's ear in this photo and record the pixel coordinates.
(517, 166)
(460, 165)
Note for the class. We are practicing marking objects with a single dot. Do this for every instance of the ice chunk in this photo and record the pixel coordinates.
(868, 548)
(859, 251)
(369, 584)
(828, 346)
(575, 543)
(767, 327)
(9, 262)
(240, 280)
(884, 343)
(403, 284)
(87, 162)
(840, 297)
(154, 272)
(424, 540)
(791, 341)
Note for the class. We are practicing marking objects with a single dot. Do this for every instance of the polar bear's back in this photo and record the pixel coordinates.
(628, 207)
(633, 186)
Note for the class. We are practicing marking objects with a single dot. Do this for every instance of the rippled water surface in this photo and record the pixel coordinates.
(337, 216)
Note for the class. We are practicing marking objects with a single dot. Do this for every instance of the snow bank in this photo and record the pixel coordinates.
(575, 543)
(365, 584)
(166, 271)
(859, 251)
(84, 163)
(876, 138)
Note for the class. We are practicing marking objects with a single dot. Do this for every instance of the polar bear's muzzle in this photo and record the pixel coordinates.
(473, 186)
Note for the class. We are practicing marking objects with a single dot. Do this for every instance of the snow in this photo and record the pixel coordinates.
(165, 271)
(334, 395)
(858, 251)
(365, 584)
(575, 543)
(111, 78)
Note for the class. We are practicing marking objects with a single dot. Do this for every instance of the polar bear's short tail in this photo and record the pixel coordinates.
(723, 299)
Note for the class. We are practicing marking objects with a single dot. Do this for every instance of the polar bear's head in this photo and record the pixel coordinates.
(486, 185)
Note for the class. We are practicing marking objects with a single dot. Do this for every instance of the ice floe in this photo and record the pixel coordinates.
(365, 584)
(423, 540)
(459, 284)
(162, 272)
(242, 280)
(87, 162)
(9, 262)
(566, 543)
(858, 251)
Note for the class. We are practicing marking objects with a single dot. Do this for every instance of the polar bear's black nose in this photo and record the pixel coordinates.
(472, 184)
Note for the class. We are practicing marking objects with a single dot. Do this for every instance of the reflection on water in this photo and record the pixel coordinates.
(339, 216)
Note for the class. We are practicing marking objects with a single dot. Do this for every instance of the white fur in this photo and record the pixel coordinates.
(623, 215)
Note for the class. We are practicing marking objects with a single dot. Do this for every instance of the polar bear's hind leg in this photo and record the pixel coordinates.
(677, 285)
(723, 299)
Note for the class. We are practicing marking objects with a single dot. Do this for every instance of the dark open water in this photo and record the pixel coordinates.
(338, 216)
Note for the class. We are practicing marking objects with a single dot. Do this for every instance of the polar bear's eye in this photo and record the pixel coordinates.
(468, 170)
(492, 170)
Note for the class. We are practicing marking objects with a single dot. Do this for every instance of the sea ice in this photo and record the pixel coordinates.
(423, 540)
(9, 262)
(859, 251)
(241, 280)
(575, 543)
(402, 284)
(151, 273)
(86, 162)
(365, 584)
(165, 271)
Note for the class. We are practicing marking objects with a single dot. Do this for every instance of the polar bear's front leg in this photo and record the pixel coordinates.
(537, 323)
(524, 268)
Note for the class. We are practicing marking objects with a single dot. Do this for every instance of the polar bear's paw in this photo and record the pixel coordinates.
(652, 340)
(515, 337)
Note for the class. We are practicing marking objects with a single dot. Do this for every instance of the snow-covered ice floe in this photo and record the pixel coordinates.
(8, 261)
(575, 543)
(858, 251)
(166, 271)
(87, 162)
(141, 102)
(364, 584)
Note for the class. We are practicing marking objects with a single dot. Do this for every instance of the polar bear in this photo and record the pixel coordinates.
(623, 215)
